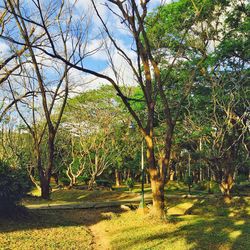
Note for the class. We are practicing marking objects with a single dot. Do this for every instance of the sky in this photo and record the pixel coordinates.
(122, 36)
(99, 61)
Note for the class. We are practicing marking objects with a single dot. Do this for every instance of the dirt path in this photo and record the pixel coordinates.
(99, 238)
(92, 220)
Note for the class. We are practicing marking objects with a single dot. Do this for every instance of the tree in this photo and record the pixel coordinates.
(164, 89)
(14, 184)
(96, 122)
(48, 97)
(222, 126)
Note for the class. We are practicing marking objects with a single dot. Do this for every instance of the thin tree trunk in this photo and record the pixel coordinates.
(128, 174)
(91, 182)
(226, 186)
(117, 178)
(147, 178)
(171, 175)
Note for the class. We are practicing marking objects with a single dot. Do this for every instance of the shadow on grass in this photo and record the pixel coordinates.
(219, 225)
(76, 195)
(226, 224)
(228, 227)
(43, 219)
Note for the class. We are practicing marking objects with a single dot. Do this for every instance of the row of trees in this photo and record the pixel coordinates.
(191, 66)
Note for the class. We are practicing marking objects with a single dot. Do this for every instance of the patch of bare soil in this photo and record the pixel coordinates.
(100, 238)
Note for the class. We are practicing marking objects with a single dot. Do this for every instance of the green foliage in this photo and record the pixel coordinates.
(64, 180)
(14, 184)
(188, 180)
(130, 183)
(240, 178)
(104, 183)
(84, 178)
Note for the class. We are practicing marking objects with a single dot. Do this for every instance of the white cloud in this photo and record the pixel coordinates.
(120, 33)
(4, 48)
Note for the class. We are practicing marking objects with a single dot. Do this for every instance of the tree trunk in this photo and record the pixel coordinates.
(226, 186)
(45, 188)
(171, 175)
(147, 178)
(91, 182)
(72, 181)
(71, 177)
(158, 173)
(201, 174)
(157, 186)
(181, 175)
(43, 176)
(117, 178)
(128, 174)
(31, 172)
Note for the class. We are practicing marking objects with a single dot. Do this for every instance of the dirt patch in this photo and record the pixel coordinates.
(100, 240)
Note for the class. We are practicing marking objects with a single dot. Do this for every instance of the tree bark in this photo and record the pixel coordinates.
(147, 178)
(117, 178)
(45, 187)
(157, 186)
(171, 175)
(226, 185)
(91, 183)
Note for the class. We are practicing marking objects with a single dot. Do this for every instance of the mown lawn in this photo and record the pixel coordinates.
(176, 188)
(44, 230)
(64, 196)
(130, 231)
(204, 223)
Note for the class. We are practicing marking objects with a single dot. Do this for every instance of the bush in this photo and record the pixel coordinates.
(65, 181)
(14, 184)
(202, 186)
(84, 178)
(104, 183)
(130, 183)
(188, 180)
(240, 178)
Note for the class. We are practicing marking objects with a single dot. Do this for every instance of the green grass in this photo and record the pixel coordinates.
(65, 196)
(76, 196)
(44, 230)
(196, 223)
(198, 230)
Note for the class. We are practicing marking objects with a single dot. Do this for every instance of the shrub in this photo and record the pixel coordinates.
(103, 182)
(14, 184)
(130, 183)
(84, 178)
(65, 181)
(240, 178)
(201, 186)
(188, 180)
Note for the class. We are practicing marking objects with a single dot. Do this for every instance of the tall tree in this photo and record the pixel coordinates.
(182, 50)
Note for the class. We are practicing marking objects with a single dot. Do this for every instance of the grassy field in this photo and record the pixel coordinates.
(200, 222)
(45, 230)
(205, 224)
(63, 196)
